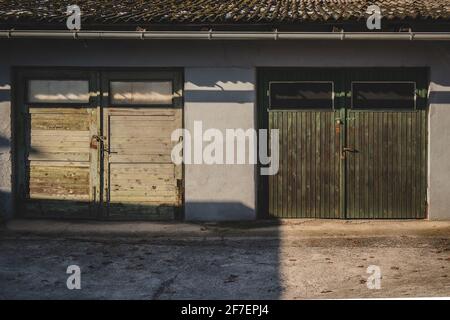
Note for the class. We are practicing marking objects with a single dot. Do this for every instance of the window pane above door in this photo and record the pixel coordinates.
(301, 95)
(58, 91)
(383, 95)
(141, 92)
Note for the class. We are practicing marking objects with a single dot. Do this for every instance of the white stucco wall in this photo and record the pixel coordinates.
(439, 145)
(218, 78)
(221, 98)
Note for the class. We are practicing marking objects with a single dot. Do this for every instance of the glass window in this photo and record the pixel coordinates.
(301, 95)
(58, 91)
(141, 92)
(383, 95)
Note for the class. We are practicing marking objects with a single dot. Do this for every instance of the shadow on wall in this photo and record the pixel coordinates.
(5, 92)
(439, 76)
(439, 97)
(219, 85)
(231, 211)
(52, 207)
(4, 196)
(4, 143)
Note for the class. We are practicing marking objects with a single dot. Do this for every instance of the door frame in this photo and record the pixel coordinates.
(262, 183)
(20, 75)
(20, 106)
(106, 76)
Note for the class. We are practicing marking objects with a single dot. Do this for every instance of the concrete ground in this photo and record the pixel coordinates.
(289, 259)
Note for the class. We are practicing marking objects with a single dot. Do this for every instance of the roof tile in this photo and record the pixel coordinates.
(218, 11)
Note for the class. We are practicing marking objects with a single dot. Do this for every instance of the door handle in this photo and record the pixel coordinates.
(347, 149)
(101, 140)
(108, 150)
(98, 138)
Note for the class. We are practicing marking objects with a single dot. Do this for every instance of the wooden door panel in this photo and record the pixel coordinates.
(60, 183)
(142, 180)
(385, 176)
(307, 184)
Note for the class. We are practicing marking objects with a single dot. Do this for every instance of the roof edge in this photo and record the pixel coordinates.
(221, 35)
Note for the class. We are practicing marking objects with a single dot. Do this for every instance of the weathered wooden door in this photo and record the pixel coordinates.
(140, 112)
(94, 144)
(386, 132)
(303, 107)
(352, 142)
(56, 166)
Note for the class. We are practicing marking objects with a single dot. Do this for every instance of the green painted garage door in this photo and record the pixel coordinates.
(352, 142)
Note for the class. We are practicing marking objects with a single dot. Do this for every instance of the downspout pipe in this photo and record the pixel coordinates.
(222, 35)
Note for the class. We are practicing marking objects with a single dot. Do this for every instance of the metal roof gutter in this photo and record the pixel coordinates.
(222, 35)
